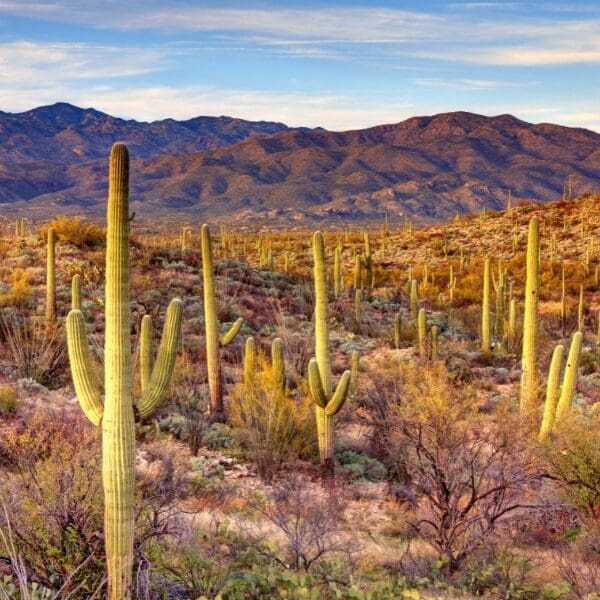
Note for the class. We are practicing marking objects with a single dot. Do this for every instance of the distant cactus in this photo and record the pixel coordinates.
(116, 413)
(249, 365)
(357, 273)
(355, 370)
(211, 324)
(368, 264)
(500, 312)
(567, 391)
(422, 331)
(50, 282)
(278, 365)
(337, 273)
(529, 380)
(357, 310)
(552, 392)
(486, 345)
(414, 299)
(397, 330)
(327, 402)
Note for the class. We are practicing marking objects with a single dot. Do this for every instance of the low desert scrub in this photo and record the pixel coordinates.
(75, 231)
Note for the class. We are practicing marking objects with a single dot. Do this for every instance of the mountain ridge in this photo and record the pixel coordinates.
(429, 167)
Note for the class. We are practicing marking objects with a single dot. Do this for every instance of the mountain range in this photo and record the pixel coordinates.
(53, 159)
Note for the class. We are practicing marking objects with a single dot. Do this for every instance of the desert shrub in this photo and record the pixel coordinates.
(361, 466)
(34, 354)
(272, 427)
(218, 436)
(75, 231)
(8, 401)
(20, 293)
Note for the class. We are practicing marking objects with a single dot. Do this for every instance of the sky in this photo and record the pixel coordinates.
(342, 64)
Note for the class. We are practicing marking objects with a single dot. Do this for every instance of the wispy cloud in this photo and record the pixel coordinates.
(470, 84)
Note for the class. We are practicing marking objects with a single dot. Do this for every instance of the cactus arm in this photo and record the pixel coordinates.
(551, 392)
(162, 371)
(316, 386)
(570, 378)
(339, 396)
(85, 378)
(231, 334)
(145, 351)
(76, 293)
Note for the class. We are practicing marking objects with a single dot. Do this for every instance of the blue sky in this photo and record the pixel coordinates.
(339, 64)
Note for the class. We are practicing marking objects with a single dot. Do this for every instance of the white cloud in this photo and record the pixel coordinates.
(470, 84)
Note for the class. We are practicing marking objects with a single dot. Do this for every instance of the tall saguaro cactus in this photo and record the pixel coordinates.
(327, 401)
(51, 281)
(529, 380)
(211, 324)
(486, 345)
(570, 378)
(552, 391)
(116, 415)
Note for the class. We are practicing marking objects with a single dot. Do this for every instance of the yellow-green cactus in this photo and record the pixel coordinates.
(414, 299)
(337, 272)
(76, 293)
(51, 282)
(529, 379)
(278, 365)
(327, 401)
(552, 391)
(368, 264)
(249, 365)
(486, 345)
(570, 378)
(116, 413)
(422, 331)
(211, 324)
(145, 352)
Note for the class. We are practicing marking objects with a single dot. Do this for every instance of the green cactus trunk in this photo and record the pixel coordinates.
(211, 325)
(278, 365)
(500, 312)
(116, 414)
(337, 273)
(570, 379)
(145, 352)
(486, 345)
(357, 310)
(368, 264)
(76, 293)
(422, 332)
(552, 391)
(249, 365)
(327, 402)
(434, 342)
(414, 299)
(529, 380)
(51, 283)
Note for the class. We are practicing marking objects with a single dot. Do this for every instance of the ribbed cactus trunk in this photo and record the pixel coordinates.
(486, 345)
(337, 273)
(118, 434)
(570, 378)
(51, 283)
(76, 293)
(211, 326)
(422, 332)
(327, 403)
(552, 391)
(529, 380)
(414, 299)
(116, 414)
(249, 365)
(145, 352)
(278, 365)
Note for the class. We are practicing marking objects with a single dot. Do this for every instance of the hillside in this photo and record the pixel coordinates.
(427, 167)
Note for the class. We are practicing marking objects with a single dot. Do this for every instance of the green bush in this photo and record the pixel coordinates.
(360, 466)
(218, 436)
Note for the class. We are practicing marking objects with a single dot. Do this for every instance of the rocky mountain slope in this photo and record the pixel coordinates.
(428, 167)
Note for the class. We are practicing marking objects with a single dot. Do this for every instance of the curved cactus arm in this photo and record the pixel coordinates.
(146, 355)
(85, 378)
(315, 383)
(162, 372)
(552, 388)
(339, 396)
(233, 331)
(570, 379)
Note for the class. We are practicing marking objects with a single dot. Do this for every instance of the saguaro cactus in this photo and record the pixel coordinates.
(327, 402)
(76, 293)
(422, 332)
(570, 378)
(337, 272)
(145, 352)
(529, 380)
(278, 365)
(552, 391)
(116, 413)
(486, 345)
(211, 324)
(249, 365)
(50, 282)
(414, 299)
(368, 263)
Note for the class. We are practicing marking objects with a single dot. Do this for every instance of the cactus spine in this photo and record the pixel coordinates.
(327, 401)
(485, 309)
(529, 381)
(211, 324)
(116, 414)
(570, 378)
(51, 282)
(76, 293)
(552, 391)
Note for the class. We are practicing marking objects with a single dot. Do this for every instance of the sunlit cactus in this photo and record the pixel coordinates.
(116, 413)
(486, 344)
(51, 282)
(552, 392)
(567, 391)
